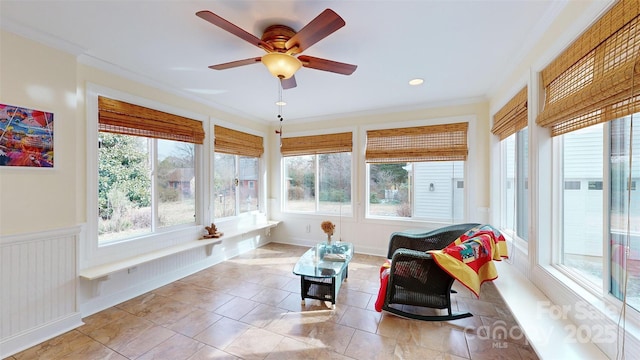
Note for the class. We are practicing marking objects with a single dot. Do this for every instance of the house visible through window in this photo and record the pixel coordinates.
(417, 172)
(430, 191)
(583, 208)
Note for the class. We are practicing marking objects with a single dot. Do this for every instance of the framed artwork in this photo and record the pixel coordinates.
(26, 137)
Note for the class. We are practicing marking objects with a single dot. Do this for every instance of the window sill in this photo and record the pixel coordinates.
(103, 271)
(603, 309)
(551, 336)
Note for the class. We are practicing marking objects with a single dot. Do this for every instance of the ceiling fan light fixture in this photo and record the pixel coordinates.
(281, 65)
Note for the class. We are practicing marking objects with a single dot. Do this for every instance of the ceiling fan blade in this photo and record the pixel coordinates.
(236, 63)
(288, 83)
(319, 28)
(327, 65)
(234, 29)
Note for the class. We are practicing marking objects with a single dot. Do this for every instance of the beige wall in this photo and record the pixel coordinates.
(38, 77)
(478, 109)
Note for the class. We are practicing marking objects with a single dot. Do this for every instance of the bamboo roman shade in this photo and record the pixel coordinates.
(317, 144)
(596, 79)
(446, 142)
(512, 117)
(123, 118)
(235, 142)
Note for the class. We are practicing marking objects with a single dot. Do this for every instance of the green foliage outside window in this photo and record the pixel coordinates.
(123, 173)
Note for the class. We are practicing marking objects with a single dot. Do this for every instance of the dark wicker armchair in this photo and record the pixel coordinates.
(414, 277)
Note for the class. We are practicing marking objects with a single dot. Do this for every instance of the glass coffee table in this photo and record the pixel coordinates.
(322, 269)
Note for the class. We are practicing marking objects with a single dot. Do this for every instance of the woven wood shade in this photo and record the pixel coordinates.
(119, 117)
(317, 144)
(596, 79)
(235, 142)
(512, 117)
(446, 142)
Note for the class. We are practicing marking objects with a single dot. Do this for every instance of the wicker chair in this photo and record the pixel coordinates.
(415, 279)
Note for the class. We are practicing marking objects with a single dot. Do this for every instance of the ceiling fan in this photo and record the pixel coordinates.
(283, 46)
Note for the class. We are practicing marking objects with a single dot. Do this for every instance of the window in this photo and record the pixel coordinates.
(236, 180)
(624, 209)
(510, 124)
(317, 173)
(234, 188)
(124, 191)
(595, 185)
(176, 183)
(582, 210)
(429, 191)
(572, 185)
(515, 200)
(224, 185)
(585, 211)
(417, 172)
(146, 172)
(591, 97)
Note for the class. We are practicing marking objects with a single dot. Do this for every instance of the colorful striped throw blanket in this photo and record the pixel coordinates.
(469, 258)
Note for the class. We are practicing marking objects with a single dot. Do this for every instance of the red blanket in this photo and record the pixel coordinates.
(468, 259)
(384, 279)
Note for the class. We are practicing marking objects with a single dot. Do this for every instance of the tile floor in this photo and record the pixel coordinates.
(249, 308)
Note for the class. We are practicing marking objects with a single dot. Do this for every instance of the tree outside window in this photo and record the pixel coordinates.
(235, 184)
(126, 200)
(318, 183)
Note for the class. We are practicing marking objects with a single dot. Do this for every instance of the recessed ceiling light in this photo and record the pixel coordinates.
(416, 81)
(281, 103)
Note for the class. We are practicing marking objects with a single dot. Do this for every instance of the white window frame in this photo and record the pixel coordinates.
(607, 305)
(249, 217)
(513, 233)
(558, 240)
(316, 164)
(412, 195)
(91, 252)
(283, 174)
(238, 214)
(471, 212)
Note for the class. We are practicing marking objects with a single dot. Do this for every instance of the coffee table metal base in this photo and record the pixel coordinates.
(324, 289)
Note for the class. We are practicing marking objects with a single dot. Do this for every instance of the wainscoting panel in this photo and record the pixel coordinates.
(38, 281)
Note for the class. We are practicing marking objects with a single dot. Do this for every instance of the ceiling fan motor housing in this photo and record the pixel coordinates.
(277, 36)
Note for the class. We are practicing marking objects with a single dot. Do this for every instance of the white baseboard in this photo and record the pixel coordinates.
(34, 336)
(359, 249)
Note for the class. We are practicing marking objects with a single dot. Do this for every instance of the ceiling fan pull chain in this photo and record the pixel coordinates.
(280, 103)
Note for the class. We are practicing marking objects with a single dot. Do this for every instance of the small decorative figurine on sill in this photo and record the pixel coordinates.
(212, 232)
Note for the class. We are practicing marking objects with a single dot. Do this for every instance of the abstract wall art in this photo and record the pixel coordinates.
(26, 137)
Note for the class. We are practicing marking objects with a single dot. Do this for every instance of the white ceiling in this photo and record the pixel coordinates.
(463, 49)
